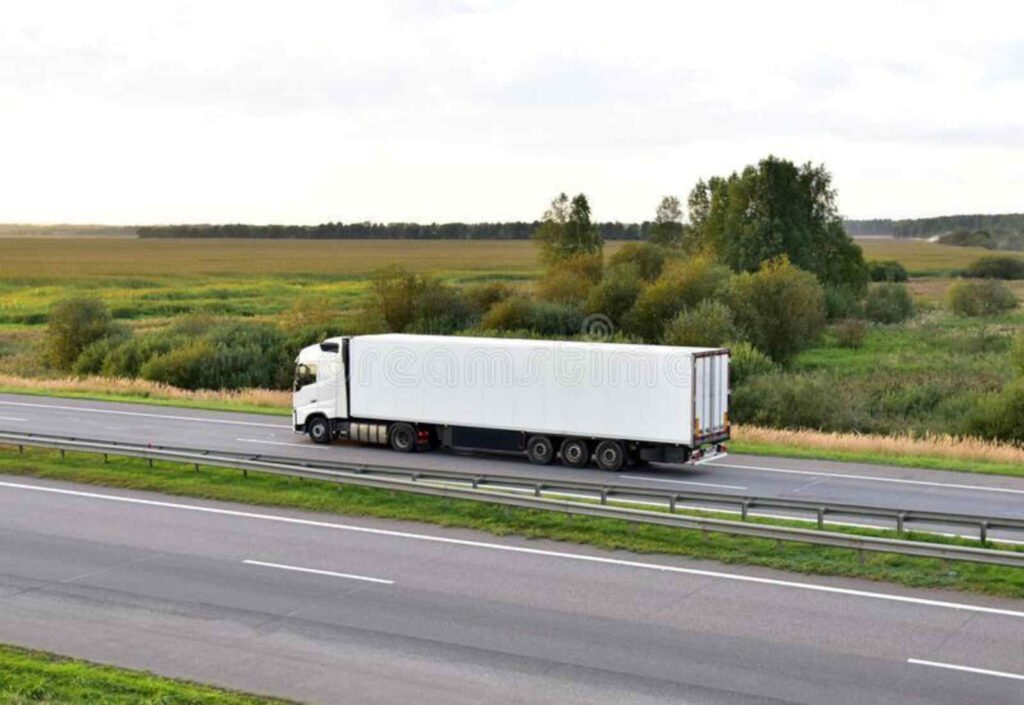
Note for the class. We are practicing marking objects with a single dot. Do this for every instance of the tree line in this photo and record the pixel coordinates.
(927, 227)
(516, 230)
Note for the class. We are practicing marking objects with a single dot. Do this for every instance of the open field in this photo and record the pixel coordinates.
(921, 257)
(38, 677)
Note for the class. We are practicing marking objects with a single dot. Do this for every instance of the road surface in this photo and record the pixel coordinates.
(851, 483)
(328, 609)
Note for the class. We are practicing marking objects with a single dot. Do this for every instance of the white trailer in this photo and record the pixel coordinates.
(612, 404)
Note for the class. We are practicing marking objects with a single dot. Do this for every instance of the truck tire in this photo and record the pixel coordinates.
(540, 450)
(320, 430)
(610, 456)
(402, 437)
(575, 452)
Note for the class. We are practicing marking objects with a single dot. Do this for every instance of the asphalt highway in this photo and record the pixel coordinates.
(851, 483)
(328, 609)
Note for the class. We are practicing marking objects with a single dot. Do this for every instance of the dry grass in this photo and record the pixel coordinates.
(144, 389)
(899, 446)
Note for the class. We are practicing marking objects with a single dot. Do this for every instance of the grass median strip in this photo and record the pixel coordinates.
(40, 677)
(275, 491)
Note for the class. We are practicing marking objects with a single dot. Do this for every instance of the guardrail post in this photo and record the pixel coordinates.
(537, 489)
(821, 517)
(62, 454)
(901, 517)
(672, 504)
(21, 449)
(744, 508)
(150, 463)
(984, 531)
(106, 457)
(604, 495)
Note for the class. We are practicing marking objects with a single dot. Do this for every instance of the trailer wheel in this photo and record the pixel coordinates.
(610, 456)
(575, 452)
(540, 450)
(319, 430)
(402, 437)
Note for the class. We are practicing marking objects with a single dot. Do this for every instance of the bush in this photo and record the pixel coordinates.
(189, 367)
(481, 297)
(851, 333)
(888, 303)
(401, 301)
(980, 297)
(684, 283)
(1017, 356)
(570, 280)
(648, 258)
(74, 324)
(520, 313)
(888, 270)
(780, 309)
(840, 303)
(999, 416)
(616, 293)
(746, 362)
(996, 268)
(90, 361)
(708, 324)
(784, 401)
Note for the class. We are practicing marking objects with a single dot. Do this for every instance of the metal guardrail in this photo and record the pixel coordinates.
(412, 480)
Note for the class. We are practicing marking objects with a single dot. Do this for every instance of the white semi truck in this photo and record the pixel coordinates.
(611, 404)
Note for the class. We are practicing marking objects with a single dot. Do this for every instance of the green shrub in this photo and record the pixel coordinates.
(779, 308)
(1017, 356)
(439, 309)
(481, 297)
(541, 317)
(683, 283)
(746, 362)
(192, 366)
(616, 293)
(570, 280)
(980, 297)
(74, 324)
(888, 270)
(851, 333)
(840, 303)
(999, 416)
(90, 361)
(402, 301)
(708, 324)
(888, 303)
(784, 401)
(996, 268)
(648, 258)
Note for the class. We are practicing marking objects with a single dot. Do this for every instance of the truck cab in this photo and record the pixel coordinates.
(320, 392)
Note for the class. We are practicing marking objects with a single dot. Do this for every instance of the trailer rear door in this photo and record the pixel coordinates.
(710, 396)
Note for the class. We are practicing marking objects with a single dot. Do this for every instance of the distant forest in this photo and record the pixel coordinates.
(520, 230)
(927, 227)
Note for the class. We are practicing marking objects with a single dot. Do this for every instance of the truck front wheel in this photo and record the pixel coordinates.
(610, 456)
(320, 430)
(540, 450)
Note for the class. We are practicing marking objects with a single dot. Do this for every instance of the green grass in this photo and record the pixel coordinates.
(272, 491)
(39, 677)
(152, 401)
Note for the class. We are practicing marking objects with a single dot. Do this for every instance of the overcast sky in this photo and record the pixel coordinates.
(305, 112)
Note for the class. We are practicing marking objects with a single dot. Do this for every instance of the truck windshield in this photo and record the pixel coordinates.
(304, 374)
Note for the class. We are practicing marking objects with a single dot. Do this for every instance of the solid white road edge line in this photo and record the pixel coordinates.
(116, 412)
(11, 418)
(314, 571)
(850, 476)
(527, 551)
(966, 669)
